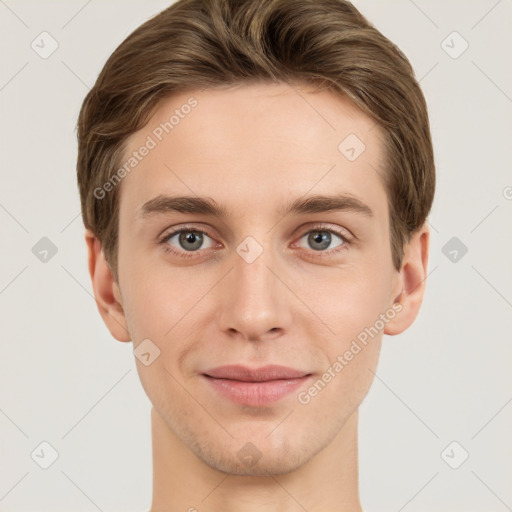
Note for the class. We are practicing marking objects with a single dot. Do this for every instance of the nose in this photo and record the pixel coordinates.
(254, 302)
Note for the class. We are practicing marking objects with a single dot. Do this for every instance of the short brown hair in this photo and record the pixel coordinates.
(210, 43)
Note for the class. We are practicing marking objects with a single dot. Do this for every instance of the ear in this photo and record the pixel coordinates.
(106, 290)
(412, 281)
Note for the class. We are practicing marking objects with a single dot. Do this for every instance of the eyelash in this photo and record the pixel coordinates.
(347, 240)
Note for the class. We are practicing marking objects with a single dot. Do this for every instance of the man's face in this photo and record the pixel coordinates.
(256, 287)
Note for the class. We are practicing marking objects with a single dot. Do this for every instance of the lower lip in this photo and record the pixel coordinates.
(256, 393)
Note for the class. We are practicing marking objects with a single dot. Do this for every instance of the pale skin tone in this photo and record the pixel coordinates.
(253, 149)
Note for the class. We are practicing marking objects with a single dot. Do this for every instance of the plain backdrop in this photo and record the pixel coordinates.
(435, 427)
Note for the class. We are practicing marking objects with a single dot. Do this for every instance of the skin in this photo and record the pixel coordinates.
(294, 305)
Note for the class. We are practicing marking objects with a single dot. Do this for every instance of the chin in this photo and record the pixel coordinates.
(256, 456)
(269, 463)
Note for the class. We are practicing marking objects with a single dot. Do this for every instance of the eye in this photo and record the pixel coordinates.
(325, 240)
(186, 240)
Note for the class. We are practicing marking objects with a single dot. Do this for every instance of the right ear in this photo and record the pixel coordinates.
(106, 290)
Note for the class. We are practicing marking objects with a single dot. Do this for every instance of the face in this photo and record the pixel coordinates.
(256, 307)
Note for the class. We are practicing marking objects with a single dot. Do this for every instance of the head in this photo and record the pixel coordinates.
(223, 119)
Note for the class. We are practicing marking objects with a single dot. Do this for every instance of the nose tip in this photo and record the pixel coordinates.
(251, 297)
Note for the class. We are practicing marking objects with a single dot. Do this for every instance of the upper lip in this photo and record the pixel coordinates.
(262, 374)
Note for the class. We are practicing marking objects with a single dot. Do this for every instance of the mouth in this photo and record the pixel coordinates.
(255, 386)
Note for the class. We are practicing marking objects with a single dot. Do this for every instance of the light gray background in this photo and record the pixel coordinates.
(64, 380)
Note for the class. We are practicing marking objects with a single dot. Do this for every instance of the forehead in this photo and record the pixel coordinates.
(254, 144)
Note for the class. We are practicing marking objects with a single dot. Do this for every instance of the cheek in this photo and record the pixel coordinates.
(160, 311)
(350, 300)
(351, 304)
(351, 351)
(337, 392)
(153, 297)
(157, 309)
(166, 306)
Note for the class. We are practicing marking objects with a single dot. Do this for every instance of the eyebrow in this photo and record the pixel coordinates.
(301, 206)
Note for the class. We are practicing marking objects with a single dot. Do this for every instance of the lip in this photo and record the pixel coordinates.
(255, 386)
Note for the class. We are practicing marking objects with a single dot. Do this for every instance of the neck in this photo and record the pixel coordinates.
(182, 482)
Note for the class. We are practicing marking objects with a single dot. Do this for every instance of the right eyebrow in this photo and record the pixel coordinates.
(182, 204)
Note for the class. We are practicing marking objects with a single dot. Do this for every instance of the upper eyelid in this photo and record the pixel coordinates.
(174, 232)
(340, 231)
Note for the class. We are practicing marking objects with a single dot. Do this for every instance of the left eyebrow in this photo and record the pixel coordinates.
(300, 206)
(323, 204)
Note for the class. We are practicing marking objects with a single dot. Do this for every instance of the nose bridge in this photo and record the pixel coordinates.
(252, 301)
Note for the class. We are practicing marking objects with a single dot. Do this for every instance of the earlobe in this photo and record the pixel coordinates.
(412, 278)
(106, 290)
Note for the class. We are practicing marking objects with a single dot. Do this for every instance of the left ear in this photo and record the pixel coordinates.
(412, 281)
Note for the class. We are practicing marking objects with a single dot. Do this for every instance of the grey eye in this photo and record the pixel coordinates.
(319, 240)
(189, 240)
